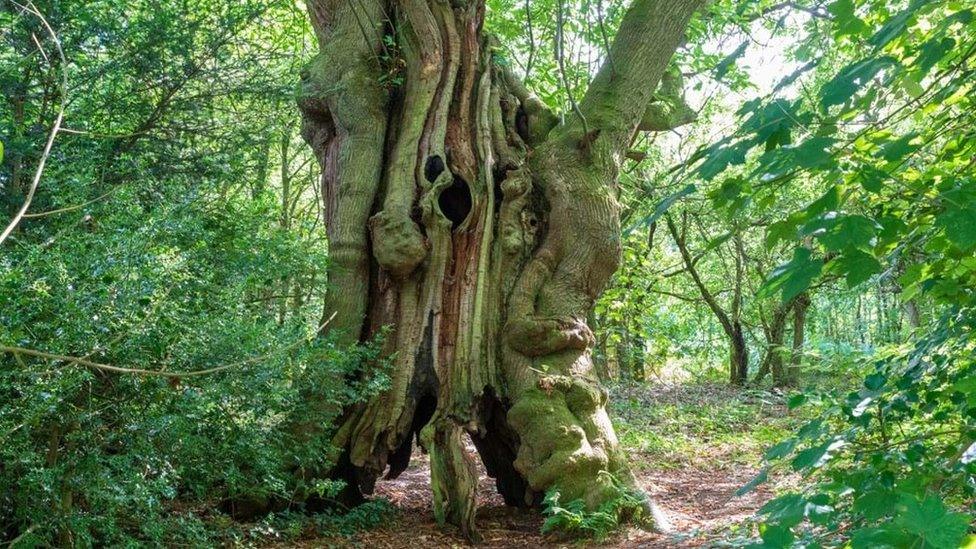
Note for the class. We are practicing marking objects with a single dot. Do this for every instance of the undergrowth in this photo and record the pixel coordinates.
(572, 520)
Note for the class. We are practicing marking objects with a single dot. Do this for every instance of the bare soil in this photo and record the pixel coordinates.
(700, 504)
(698, 498)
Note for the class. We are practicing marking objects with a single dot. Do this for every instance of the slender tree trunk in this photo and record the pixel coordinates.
(800, 309)
(731, 321)
(460, 215)
(738, 356)
(775, 332)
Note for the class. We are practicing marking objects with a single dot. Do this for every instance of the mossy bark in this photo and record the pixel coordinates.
(464, 218)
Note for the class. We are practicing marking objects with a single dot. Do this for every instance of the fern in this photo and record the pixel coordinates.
(572, 519)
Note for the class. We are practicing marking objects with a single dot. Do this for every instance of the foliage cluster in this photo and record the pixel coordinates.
(812, 228)
(176, 229)
(882, 131)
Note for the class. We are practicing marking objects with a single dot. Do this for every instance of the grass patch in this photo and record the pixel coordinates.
(706, 425)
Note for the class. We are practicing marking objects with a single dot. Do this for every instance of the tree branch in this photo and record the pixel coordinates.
(618, 97)
(707, 295)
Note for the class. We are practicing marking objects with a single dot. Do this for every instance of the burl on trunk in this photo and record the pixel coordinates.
(461, 215)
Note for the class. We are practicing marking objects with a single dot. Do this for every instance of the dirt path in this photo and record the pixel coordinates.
(698, 502)
(694, 485)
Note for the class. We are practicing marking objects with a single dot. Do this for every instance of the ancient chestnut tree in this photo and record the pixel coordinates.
(461, 215)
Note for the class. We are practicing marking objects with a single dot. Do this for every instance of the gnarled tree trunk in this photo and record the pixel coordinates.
(463, 217)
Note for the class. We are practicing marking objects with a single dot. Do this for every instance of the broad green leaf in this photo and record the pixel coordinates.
(663, 206)
(773, 119)
(827, 202)
(725, 64)
(852, 78)
(760, 478)
(812, 153)
(896, 25)
(875, 504)
(931, 53)
(885, 537)
(875, 381)
(857, 266)
(845, 20)
(959, 224)
(816, 456)
(899, 148)
(932, 522)
(792, 278)
(843, 232)
(776, 537)
(786, 510)
(781, 450)
(719, 157)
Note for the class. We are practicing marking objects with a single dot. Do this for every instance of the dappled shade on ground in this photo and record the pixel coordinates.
(695, 488)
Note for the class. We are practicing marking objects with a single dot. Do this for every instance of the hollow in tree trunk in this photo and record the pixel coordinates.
(463, 217)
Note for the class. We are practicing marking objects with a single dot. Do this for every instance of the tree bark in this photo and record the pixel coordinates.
(799, 335)
(463, 218)
(775, 332)
(731, 323)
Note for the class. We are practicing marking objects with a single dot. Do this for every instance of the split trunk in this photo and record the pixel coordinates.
(479, 231)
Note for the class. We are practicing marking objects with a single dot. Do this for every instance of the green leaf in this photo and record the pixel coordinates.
(852, 78)
(843, 232)
(812, 153)
(932, 522)
(871, 178)
(875, 504)
(880, 538)
(857, 266)
(781, 450)
(719, 157)
(815, 153)
(762, 477)
(796, 401)
(845, 20)
(827, 202)
(786, 510)
(662, 207)
(816, 456)
(725, 64)
(792, 278)
(773, 120)
(931, 53)
(959, 224)
(896, 25)
(899, 148)
(875, 381)
(775, 537)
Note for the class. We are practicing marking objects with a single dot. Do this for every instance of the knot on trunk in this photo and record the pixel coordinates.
(398, 245)
(534, 337)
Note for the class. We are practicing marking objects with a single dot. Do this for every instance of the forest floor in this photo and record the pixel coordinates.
(691, 447)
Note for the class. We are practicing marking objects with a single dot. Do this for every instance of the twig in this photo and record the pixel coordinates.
(120, 370)
(54, 129)
(74, 207)
(562, 69)
(528, 22)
